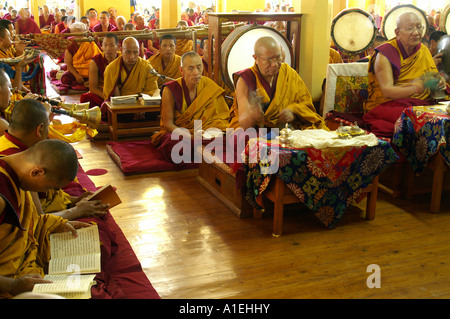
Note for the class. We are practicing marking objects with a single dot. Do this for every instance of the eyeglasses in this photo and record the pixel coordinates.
(411, 29)
(277, 60)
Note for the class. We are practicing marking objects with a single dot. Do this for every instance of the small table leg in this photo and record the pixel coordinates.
(278, 207)
(114, 126)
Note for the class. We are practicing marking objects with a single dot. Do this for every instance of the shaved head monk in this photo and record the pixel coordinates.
(24, 233)
(166, 62)
(97, 66)
(189, 98)
(395, 71)
(129, 74)
(271, 93)
(29, 124)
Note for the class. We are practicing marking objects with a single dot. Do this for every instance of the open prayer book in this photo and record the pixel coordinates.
(70, 259)
(107, 195)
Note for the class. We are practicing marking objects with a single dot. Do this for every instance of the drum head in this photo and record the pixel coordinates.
(389, 23)
(444, 23)
(353, 30)
(238, 49)
(443, 47)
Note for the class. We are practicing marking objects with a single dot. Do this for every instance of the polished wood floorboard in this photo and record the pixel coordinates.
(191, 246)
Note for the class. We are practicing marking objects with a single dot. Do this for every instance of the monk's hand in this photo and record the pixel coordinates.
(72, 226)
(286, 116)
(79, 79)
(75, 199)
(442, 85)
(25, 283)
(417, 87)
(438, 58)
(86, 208)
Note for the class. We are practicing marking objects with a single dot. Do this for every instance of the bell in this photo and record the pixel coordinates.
(355, 130)
(285, 136)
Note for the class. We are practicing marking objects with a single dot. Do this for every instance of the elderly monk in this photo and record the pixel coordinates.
(395, 71)
(129, 74)
(77, 57)
(104, 24)
(25, 24)
(24, 233)
(97, 68)
(166, 62)
(29, 124)
(282, 94)
(120, 23)
(192, 97)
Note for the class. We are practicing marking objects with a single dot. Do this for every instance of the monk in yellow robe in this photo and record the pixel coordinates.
(166, 62)
(192, 97)
(271, 93)
(129, 74)
(24, 233)
(77, 57)
(183, 45)
(29, 124)
(8, 50)
(395, 76)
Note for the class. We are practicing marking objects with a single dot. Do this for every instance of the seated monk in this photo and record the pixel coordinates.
(395, 71)
(46, 18)
(120, 23)
(128, 74)
(104, 24)
(24, 233)
(166, 62)
(282, 94)
(77, 58)
(97, 68)
(192, 97)
(183, 45)
(8, 50)
(128, 27)
(25, 24)
(29, 124)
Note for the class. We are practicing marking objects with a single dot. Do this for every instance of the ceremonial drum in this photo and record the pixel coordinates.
(444, 22)
(389, 23)
(353, 30)
(238, 49)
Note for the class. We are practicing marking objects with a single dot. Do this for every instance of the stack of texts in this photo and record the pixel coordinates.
(125, 99)
(146, 99)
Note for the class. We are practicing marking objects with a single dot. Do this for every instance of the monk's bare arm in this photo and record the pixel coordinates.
(385, 77)
(248, 114)
(168, 110)
(68, 60)
(93, 79)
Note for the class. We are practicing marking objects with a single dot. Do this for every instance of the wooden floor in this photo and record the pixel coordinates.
(192, 246)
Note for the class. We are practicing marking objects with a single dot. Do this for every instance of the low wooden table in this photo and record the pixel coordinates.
(115, 129)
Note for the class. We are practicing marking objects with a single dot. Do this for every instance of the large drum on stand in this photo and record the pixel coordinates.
(238, 49)
(444, 22)
(353, 30)
(389, 23)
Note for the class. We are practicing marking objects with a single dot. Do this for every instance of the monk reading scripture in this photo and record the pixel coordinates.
(282, 94)
(395, 71)
(77, 58)
(24, 233)
(166, 62)
(97, 68)
(191, 97)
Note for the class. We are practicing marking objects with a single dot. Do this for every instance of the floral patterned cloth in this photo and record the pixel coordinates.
(53, 43)
(325, 180)
(421, 132)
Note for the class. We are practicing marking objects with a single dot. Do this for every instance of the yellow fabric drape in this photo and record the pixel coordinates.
(183, 46)
(76, 130)
(209, 106)
(140, 80)
(291, 93)
(411, 68)
(82, 58)
(26, 251)
(172, 70)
